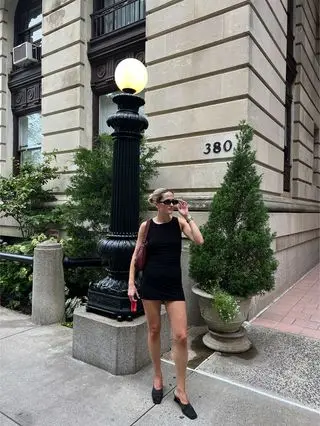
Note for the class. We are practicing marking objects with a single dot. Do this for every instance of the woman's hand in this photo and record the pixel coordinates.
(133, 293)
(183, 208)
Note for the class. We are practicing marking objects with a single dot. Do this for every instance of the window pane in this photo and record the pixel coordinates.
(108, 23)
(30, 137)
(33, 156)
(116, 14)
(108, 3)
(28, 22)
(23, 132)
(36, 35)
(34, 130)
(142, 9)
(30, 131)
(106, 108)
(126, 15)
(35, 17)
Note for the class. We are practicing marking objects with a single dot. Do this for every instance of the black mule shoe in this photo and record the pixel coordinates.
(186, 409)
(157, 395)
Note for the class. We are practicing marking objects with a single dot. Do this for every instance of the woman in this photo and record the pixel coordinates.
(161, 283)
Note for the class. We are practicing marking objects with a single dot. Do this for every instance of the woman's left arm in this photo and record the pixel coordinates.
(188, 225)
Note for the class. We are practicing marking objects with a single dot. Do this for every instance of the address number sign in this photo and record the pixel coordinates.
(218, 147)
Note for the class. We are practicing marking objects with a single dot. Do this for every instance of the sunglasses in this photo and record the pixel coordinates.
(168, 202)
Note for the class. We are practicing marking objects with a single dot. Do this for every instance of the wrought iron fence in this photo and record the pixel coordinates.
(67, 261)
(120, 15)
(70, 262)
(16, 258)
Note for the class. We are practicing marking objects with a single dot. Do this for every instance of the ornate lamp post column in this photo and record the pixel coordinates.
(109, 296)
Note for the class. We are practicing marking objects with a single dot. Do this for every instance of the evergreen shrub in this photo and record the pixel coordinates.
(236, 258)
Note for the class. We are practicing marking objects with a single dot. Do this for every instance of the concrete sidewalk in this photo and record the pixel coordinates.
(42, 385)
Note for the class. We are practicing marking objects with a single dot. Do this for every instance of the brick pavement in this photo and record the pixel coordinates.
(298, 310)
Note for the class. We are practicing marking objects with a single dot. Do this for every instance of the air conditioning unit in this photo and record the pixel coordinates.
(25, 53)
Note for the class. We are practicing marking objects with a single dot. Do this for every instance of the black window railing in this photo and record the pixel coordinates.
(120, 15)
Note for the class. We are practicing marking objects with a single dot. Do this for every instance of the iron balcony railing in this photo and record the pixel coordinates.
(120, 15)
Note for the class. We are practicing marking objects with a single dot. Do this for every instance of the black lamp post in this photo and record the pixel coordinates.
(109, 296)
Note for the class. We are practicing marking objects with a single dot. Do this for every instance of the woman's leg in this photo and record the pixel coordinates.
(152, 311)
(178, 319)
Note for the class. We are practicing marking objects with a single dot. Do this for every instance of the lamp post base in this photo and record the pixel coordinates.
(113, 306)
(109, 296)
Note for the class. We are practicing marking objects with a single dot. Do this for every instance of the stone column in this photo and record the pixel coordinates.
(3, 83)
(197, 59)
(66, 91)
(48, 284)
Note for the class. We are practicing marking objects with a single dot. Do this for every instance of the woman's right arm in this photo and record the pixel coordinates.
(131, 285)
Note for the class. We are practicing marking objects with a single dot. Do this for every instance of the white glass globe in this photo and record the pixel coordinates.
(131, 74)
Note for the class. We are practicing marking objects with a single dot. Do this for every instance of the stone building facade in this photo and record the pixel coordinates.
(210, 64)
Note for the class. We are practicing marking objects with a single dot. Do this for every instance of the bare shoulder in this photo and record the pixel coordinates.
(143, 225)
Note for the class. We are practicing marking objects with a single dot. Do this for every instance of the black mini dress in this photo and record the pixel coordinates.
(162, 273)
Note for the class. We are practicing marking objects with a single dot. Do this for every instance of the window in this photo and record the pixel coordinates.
(30, 138)
(318, 40)
(290, 78)
(106, 108)
(28, 22)
(316, 158)
(112, 15)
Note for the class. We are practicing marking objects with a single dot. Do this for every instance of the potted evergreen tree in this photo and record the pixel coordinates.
(236, 260)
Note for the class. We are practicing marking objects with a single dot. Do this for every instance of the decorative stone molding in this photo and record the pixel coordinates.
(26, 98)
(25, 87)
(274, 204)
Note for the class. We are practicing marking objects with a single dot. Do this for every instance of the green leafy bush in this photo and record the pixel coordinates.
(24, 198)
(86, 215)
(236, 256)
(71, 304)
(226, 305)
(15, 277)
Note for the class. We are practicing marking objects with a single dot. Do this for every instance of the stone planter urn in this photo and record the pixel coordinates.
(223, 336)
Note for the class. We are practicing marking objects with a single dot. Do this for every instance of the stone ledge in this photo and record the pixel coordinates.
(273, 203)
(118, 347)
(288, 241)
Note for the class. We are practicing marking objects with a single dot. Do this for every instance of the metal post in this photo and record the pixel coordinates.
(109, 296)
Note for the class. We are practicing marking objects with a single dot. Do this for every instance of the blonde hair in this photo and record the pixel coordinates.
(157, 194)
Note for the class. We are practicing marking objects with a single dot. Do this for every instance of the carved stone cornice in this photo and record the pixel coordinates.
(25, 87)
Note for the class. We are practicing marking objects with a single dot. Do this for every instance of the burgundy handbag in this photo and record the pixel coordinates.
(142, 251)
